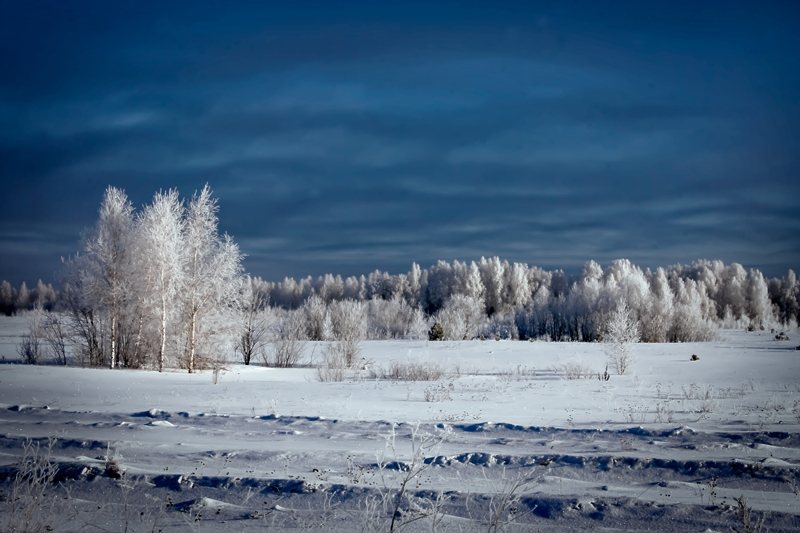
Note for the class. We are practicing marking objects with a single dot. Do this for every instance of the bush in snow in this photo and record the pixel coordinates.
(334, 363)
(31, 349)
(30, 504)
(413, 371)
(577, 369)
(289, 342)
(57, 337)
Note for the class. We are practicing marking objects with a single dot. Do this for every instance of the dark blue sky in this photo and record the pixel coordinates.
(344, 136)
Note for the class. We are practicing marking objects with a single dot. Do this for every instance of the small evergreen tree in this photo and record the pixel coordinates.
(436, 333)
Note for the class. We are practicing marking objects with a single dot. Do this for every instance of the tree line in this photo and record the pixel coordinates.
(680, 303)
(162, 288)
(24, 299)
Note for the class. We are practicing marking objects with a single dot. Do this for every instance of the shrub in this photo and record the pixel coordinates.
(576, 369)
(113, 468)
(437, 393)
(349, 325)
(334, 363)
(318, 320)
(28, 349)
(517, 373)
(289, 343)
(415, 371)
(57, 337)
(29, 506)
(31, 349)
(694, 357)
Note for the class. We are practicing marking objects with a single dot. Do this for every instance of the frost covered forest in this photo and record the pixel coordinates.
(162, 288)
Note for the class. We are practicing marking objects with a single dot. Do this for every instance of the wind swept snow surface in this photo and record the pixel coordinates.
(502, 442)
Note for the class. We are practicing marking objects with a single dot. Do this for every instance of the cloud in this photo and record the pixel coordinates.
(371, 136)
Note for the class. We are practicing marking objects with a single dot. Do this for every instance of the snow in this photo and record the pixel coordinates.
(268, 446)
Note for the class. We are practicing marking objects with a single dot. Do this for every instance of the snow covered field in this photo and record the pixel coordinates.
(506, 440)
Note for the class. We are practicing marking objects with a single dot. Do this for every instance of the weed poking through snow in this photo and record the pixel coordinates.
(748, 523)
(31, 504)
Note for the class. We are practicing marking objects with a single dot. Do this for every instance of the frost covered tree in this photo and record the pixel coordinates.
(519, 292)
(413, 286)
(395, 318)
(580, 315)
(690, 322)
(352, 288)
(657, 316)
(8, 297)
(730, 295)
(758, 306)
(108, 250)
(493, 273)
(209, 279)
(160, 240)
(461, 317)
(318, 320)
(384, 286)
(439, 286)
(329, 287)
(254, 319)
(785, 295)
(622, 334)
(45, 296)
(623, 281)
(289, 341)
(349, 327)
(23, 297)
(101, 287)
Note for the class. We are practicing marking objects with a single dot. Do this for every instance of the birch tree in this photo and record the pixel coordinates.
(160, 232)
(211, 270)
(108, 251)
